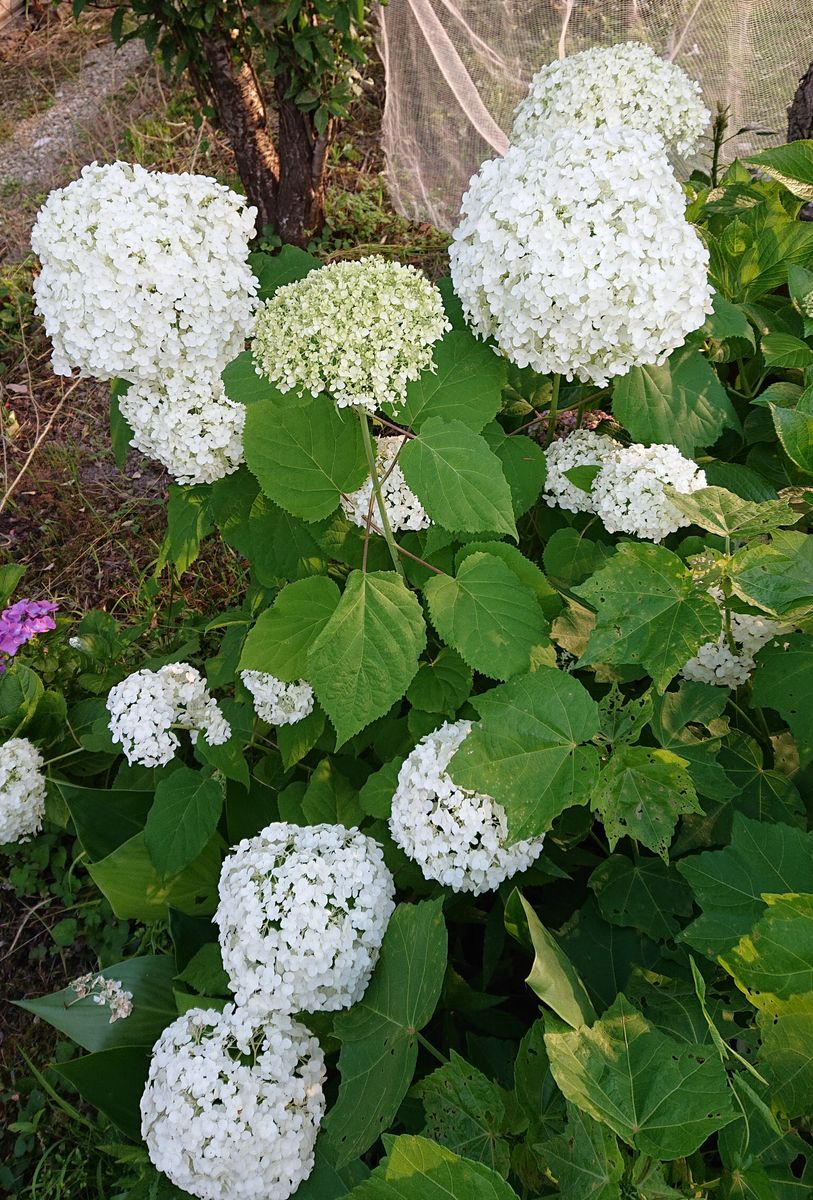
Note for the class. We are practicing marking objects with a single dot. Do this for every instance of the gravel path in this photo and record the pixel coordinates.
(40, 143)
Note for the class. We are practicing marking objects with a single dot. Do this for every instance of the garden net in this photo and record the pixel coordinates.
(456, 69)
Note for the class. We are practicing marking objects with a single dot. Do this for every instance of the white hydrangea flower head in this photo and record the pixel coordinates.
(302, 913)
(581, 448)
(233, 1105)
(718, 663)
(574, 254)
(404, 509)
(189, 425)
(629, 491)
(22, 790)
(359, 331)
(146, 705)
(457, 837)
(277, 702)
(623, 85)
(144, 272)
(807, 305)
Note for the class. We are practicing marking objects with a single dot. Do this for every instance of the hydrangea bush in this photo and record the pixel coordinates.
(475, 851)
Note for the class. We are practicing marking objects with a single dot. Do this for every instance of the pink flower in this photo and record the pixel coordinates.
(22, 621)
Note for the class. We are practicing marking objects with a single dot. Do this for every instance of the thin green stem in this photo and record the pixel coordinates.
(553, 408)
(386, 528)
(427, 1045)
(59, 757)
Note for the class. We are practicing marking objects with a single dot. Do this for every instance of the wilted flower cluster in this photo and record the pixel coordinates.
(22, 790)
(143, 273)
(233, 1104)
(567, 422)
(718, 662)
(457, 837)
(22, 621)
(189, 425)
(302, 913)
(359, 331)
(404, 509)
(144, 278)
(574, 253)
(623, 85)
(628, 492)
(110, 992)
(146, 706)
(277, 702)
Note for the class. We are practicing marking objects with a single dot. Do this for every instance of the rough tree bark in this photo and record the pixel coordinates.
(800, 113)
(285, 182)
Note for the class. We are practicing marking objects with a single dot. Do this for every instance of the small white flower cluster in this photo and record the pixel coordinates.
(189, 425)
(628, 493)
(110, 992)
(404, 509)
(22, 790)
(233, 1105)
(144, 272)
(302, 913)
(457, 837)
(718, 663)
(807, 305)
(623, 85)
(146, 705)
(144, 278)
(359, 331)
(574, 253)
(277, 702)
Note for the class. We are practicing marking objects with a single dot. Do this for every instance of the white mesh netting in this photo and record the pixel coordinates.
(456, 69)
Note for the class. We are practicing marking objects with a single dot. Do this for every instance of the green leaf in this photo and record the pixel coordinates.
(104, 819)
(795, 431)
(728, 884)
(761, 793)
(783, 680)
(585, 1160)
(658, 1095)
(790, 165)
(719, 511)
(87, 1023)
(646, 894)
(282, 548)
(330, 798)
(777, 577)
(294, 741)
(204, 972)
(457, 478)
(466, 384)
(367, 654)
(775, 960)
(280, 640)
(569, 556)
(465, 1111)
(376, 796)
(378, 1035)
(493, 622)
(10, 576)
(785, 1055)
(441, 685)
(112, 1081)
(121, 434)
(274, 271)
(552, 976)
(527, 750)
(666, 626)
(681, 403)
(136, 891)
(305, 456)
(527, 573)
(189, 521)
(242, 383)
(231, 501)
(782, 351)
(419, 1169)
(640, 794)
(183, 817)
(524, 465)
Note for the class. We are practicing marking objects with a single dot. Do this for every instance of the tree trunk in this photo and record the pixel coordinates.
(241, 114)
(800, 113)
(302, 154)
